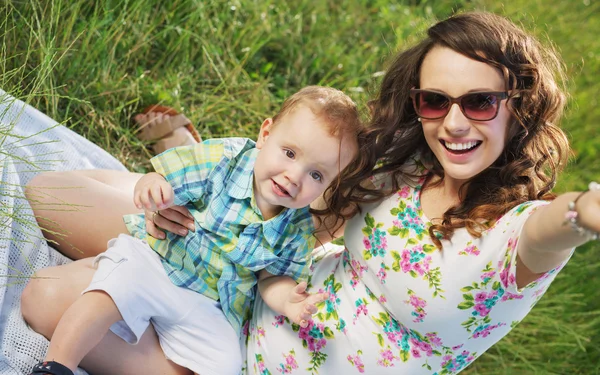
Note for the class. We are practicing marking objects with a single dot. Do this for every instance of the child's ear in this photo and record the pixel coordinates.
(265, 131)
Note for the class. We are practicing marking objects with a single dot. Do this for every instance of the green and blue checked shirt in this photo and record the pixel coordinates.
(214, 180)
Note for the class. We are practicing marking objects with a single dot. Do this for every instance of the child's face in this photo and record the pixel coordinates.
(298, 159)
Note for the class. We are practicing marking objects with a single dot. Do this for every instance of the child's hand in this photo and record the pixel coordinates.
(152, 192)
(300, 306)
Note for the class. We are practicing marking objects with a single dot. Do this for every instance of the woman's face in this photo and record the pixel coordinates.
(463, 147)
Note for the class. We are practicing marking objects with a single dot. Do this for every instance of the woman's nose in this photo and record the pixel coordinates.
(455, 121)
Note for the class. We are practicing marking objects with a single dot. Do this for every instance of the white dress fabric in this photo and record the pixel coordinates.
(30, 142)
(398, 305)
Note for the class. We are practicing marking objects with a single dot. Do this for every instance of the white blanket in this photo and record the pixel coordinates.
(29, 143)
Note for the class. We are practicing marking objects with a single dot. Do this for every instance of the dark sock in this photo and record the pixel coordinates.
(51, 368)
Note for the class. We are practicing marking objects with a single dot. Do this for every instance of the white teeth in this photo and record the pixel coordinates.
(460, 146)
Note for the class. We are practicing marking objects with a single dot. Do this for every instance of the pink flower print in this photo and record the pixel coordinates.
(508, 296)
(367, 243)
(482, 309)
(487, 276)
(382, 273)
(260, 332)
(480, 297)
(313, 336)
(289, 365)
(433, 339)
(455, 348)
(404, 192)
(512, 242)
(419, 269)
(504, 277)
(259, 365)
(485, 330)
(455, 365)
(356, 361)
(405, 266)
(419, 307)
(387, 358)
(470, 250)
(406, 255)
(415, 352)
(279, 319)
(382, 299)
(361, 308)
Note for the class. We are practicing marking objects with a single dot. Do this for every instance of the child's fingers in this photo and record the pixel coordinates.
(156, 194)
(136, 199)
(146, 200)
(301, 287)
(167, 195)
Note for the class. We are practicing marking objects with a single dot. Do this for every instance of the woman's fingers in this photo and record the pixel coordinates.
(184, 211)
(173, 221)
(151, 227)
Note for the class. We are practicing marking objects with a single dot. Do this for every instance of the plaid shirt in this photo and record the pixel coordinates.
(214, 180)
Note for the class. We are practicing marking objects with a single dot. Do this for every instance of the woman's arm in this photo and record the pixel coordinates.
(547, 240)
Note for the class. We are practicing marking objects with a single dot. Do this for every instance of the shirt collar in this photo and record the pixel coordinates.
(240, 184)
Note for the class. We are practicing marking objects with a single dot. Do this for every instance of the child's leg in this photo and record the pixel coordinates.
(81, 328)
(82, 210)
(54, 289)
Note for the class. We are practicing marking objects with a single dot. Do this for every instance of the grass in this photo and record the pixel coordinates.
(229, 64)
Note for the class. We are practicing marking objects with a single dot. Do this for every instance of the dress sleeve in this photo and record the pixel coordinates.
(187, 168)
(512, 225)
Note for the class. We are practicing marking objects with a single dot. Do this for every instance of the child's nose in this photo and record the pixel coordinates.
(294, 175)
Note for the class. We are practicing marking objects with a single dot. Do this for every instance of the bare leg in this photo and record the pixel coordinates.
(82, 327)
(49, 295)
(81, 210)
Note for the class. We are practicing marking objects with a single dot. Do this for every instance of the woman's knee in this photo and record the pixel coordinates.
(50, 291)
(36, 299)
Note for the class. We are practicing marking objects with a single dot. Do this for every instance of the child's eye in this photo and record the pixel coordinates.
(316, 176)
(289, 153)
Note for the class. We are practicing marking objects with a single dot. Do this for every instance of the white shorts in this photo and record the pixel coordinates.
(192, 329)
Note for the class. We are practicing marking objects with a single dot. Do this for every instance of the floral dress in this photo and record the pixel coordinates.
(397, 304)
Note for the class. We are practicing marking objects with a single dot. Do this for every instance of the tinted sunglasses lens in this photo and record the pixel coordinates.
(431, 105)
(480, 106)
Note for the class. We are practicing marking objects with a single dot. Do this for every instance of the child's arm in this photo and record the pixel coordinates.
(285, 296)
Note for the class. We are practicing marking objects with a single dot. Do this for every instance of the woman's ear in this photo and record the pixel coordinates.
(265, 131)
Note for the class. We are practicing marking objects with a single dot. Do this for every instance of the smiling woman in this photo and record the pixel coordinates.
(457, 237)
(466, 139)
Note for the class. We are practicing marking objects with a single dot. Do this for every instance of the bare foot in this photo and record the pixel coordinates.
(157, 126)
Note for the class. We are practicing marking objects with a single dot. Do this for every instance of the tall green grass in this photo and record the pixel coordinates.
(229, 64)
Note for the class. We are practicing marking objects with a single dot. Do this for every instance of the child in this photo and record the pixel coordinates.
(250, 203)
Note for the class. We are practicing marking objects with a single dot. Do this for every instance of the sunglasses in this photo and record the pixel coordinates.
(477, 106)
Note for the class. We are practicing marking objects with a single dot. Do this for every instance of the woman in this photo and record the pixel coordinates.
(457, 235)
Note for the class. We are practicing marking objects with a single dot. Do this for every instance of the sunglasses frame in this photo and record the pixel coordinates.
(500, 95)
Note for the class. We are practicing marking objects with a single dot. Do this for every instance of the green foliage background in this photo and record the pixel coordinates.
(229, 64)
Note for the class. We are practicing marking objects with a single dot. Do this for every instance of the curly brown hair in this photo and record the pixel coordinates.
(535, 150)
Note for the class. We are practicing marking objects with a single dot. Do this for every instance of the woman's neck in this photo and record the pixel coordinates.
(438, 196)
